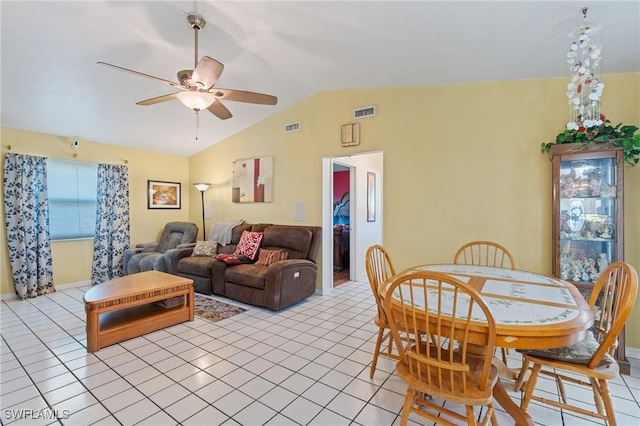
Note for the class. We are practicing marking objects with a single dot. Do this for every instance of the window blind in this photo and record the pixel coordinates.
(72, 191)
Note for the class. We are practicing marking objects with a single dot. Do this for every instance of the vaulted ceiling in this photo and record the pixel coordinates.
(51, 82)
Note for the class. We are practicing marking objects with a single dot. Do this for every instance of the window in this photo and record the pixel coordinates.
(72, 188)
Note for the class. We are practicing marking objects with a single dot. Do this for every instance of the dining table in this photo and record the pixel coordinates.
(530, 310)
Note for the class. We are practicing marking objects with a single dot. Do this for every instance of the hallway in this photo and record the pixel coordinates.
(341, 277)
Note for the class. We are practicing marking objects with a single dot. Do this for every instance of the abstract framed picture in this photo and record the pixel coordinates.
(371, 197)
(252, 180)
(163, 195)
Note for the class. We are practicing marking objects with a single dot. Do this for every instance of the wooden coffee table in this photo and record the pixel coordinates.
(125, 307)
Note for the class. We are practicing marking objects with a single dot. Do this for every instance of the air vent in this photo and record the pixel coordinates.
(363, 112)
(292, 127)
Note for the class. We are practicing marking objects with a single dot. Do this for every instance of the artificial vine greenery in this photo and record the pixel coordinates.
(621, 136)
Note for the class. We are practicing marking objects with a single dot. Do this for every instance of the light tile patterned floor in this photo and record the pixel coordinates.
(306, 365)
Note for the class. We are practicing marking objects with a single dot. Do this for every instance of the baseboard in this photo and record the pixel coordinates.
(632, 352)
(10, 296)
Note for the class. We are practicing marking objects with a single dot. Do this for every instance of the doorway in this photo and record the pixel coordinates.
(365, 225)
(342, 187)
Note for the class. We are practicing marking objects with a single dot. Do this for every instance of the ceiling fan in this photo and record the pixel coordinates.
(197, 91)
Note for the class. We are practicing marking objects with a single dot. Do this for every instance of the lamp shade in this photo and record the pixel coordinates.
(202, 186)
(196, 100)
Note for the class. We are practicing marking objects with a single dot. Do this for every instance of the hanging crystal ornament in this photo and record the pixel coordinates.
(585, 88)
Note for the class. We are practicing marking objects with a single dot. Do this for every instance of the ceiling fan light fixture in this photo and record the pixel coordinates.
(196, 100)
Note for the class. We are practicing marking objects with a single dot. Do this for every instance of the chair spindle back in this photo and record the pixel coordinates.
(484, 253)
(379, 269)
(612, 298)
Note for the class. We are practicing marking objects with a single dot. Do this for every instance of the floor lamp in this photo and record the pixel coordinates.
(202, 187)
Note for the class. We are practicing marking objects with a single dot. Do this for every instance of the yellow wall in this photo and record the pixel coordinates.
(72, 259)
(461, 162)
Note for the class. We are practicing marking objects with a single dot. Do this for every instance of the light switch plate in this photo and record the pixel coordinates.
(300, 211)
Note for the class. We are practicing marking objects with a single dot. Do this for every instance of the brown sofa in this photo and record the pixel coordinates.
(276, 286)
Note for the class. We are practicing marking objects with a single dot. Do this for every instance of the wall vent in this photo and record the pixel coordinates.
(363, 112)
(292, 127)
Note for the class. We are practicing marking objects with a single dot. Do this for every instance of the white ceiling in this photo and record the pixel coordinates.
(291, 49)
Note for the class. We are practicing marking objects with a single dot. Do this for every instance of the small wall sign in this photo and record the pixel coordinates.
(350, 134)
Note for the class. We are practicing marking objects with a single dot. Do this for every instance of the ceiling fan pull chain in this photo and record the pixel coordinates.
(197, 123)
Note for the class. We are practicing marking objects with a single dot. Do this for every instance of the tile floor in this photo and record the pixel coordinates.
(306, 365)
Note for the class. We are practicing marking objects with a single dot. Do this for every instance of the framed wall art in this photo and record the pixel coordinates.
(163, 195)
(371, 197)
(252, 180)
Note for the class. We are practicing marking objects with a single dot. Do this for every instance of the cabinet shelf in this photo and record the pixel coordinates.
(595, 240)
(612, 197)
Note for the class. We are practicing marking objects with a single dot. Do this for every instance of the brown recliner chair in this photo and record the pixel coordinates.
(150, 256)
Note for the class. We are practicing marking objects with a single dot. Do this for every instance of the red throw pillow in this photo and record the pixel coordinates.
(222, 257)
(232, 260)
(249, 244)
(267, 257)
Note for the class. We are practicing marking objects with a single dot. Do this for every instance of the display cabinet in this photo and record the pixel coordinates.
(588, 222)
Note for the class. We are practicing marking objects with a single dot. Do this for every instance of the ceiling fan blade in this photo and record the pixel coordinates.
(219, 110)
(207, 72)
(242, 96)
(161, 80)
(158, 99)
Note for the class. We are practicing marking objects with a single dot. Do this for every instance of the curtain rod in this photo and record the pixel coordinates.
(75, 155)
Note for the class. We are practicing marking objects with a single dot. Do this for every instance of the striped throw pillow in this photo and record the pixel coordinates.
(267, 257)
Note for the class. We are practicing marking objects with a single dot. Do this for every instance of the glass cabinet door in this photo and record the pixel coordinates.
(587, 217)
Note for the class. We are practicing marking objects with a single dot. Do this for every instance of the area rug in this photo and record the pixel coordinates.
(214, 310)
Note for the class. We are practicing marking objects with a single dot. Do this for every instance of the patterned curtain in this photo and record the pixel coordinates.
(26, 213)
(112, 223)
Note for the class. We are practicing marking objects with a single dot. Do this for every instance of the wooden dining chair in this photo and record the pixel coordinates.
(445, 365)
(485, 253)
(612, 299)
(379, 269)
